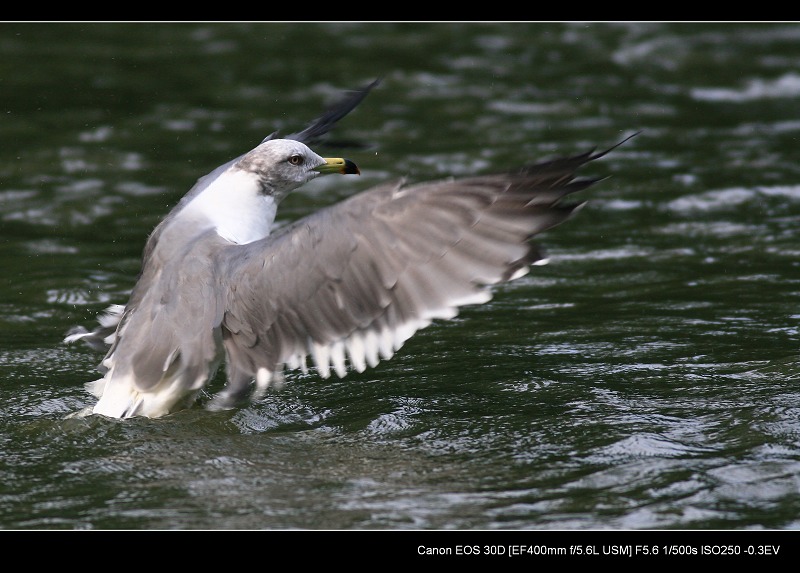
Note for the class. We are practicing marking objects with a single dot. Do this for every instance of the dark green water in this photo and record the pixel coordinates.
(648, 378)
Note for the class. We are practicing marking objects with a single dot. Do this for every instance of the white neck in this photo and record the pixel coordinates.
(235, 206)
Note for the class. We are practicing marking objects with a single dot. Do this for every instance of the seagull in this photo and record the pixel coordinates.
(344, 287)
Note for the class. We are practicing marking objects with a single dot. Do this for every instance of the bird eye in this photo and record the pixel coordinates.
(296, 159)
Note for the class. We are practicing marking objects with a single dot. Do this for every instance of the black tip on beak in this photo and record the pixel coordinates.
(350, 168)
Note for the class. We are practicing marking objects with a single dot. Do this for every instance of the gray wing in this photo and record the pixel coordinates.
(171, 315)
(350, 284)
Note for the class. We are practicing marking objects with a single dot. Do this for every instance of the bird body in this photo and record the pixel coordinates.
(345, 286)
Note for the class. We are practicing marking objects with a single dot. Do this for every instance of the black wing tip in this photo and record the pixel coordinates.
(599, 154)
(370, 86)
(569, 164)
(342, 107)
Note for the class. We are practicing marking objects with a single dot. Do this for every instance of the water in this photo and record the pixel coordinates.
(647, 379)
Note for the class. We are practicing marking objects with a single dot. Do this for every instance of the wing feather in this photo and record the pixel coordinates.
(348, 285)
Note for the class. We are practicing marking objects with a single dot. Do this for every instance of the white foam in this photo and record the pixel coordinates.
(712, 200)
(788, 85)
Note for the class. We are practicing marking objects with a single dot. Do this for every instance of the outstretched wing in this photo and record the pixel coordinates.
(350, 284)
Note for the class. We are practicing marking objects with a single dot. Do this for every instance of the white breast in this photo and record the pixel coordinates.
(235, 206)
